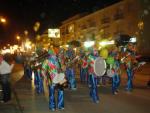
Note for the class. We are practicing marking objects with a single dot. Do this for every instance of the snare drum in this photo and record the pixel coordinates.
(59, 78)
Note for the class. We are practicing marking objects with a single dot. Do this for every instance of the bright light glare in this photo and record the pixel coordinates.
(133, 40)
(12, 49)
(3, 20)
(89, 43)
(18, 37)
(104, 43)
(66, 45)
(15, 47)
(74, 49)
(27, 45)
(6, 51)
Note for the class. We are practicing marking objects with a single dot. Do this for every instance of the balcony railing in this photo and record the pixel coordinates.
(118, 16)
(105, 20)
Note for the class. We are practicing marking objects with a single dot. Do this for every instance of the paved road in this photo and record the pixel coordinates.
(79, 102)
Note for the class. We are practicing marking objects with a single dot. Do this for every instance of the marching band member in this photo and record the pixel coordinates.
(116, 76)
(27, 70)
(84, 67)
(93, 78)
(38, 79)
(104, 54)
(61, 59)
(116, 71)
(81, 54)
(70, 71)
(130, 62)
(50, 68)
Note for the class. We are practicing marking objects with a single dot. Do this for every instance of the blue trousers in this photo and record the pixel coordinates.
(71, 78)
(93, 88)
(28, 72)
(130, 73)
(115, 83)
(84, 75)
(38, 82)
(52, 98)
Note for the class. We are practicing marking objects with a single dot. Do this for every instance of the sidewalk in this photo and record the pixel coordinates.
(11, 106)
(25, 100)
(30, 101)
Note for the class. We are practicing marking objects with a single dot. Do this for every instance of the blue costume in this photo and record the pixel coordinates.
(116, 76)
(84, 70)
(115, 68)
(28, 70)
(70, 72)
(50, 69)
(93, 78)
(130, 74)
(83, 66)
(38, 81)
(130, 63)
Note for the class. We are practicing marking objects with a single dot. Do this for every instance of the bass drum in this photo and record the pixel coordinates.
(99, 66)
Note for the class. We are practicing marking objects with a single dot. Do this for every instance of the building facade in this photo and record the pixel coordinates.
(123, 17)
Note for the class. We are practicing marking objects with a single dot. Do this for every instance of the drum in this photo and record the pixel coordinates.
(99, 66)
(110, 72)
(59, 79)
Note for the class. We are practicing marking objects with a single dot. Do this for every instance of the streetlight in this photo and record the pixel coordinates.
(2, 20)
(18, 38)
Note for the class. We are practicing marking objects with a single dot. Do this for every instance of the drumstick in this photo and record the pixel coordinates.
(125, 57)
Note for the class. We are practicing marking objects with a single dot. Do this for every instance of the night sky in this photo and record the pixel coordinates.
(22, 14)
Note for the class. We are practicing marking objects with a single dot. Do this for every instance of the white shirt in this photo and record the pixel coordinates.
(5, 68)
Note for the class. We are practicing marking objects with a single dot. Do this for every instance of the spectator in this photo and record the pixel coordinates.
(5, 71)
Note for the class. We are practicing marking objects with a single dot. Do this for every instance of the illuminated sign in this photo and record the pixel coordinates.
(54, 33)
(104, 43)
(88, 44)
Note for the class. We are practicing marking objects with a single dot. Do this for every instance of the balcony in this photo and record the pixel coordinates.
(105, 20)
(118, 16)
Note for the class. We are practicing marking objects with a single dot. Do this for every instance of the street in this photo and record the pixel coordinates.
(97, 51)
(78, 101)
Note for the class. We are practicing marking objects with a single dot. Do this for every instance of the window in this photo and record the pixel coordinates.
(105, 20)
(119, 14)
(71, 28)
(131, 7)
(83, 26)
(62, 31)
(91, 23)
(105, 27)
